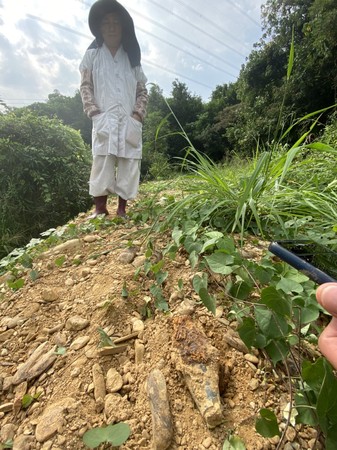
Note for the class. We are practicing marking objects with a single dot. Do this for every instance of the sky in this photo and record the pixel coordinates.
(202, 45)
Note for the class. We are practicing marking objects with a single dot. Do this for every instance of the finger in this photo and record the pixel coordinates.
(327, 342)
(327, 296)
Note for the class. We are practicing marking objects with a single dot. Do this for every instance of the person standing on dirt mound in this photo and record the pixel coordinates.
(114, 96)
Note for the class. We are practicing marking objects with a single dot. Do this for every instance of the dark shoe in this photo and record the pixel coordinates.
(100, 207)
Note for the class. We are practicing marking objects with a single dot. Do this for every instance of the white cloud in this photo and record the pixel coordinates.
(204, 44)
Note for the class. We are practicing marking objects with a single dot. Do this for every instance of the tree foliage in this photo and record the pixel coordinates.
(43, 176)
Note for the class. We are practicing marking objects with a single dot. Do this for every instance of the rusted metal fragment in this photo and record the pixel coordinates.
(198, 361)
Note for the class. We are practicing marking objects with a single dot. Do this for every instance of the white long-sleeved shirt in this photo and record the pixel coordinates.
(111, 92)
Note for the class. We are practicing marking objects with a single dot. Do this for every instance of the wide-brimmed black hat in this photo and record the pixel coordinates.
(129, 41)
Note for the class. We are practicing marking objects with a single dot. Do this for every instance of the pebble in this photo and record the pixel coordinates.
(50, 295)
(6, 335)
(90, 238)
(139, 352)
(52, 419)
(80, 342)
(7, 432)
(254, 384)
(76, 323)
(291, 434)
(68, 246)
(23, 442)
(114, 381)
(251, 358)
(207, 442)
(138, 325)
(139, 261)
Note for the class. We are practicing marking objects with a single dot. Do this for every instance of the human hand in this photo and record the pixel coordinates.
(327, 296)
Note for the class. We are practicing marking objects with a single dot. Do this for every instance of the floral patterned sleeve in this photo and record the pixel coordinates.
(87, 93)
(142, 98)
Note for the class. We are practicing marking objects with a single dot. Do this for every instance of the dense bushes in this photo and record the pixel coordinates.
(44, 169)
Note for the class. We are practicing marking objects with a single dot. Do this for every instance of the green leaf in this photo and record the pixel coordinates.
(17, 284)
(234, 443)
(26, 401)
(59, 261)
(288, 286)
(160, 302)
(220, 263)
(125, 293)
(105, 340)
(313, 374)
(161, 277)
(61, 351)
(305, 403)
(241, 290)
(156, 268)
(207, 300)
(267, 425)
(199, 282)
(193, 258)
(277, 350)
(34, 275)
(115, 435)
(180, 284)
(177, 235)
(271, 324)
(275, 301)
(26, 261)
(247, 331)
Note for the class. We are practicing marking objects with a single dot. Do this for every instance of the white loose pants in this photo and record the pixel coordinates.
(113, 175)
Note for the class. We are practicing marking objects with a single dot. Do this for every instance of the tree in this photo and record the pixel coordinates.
(262, 86)
(186, 108)
(67, 109)
(211, 127)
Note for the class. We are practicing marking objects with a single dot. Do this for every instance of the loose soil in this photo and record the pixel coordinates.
(96, 288)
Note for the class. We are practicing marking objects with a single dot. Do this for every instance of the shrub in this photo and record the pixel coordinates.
(44, 169)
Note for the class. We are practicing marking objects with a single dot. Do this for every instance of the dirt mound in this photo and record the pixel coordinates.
(53, 349)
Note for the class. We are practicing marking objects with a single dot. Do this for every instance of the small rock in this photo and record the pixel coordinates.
(76, 323)
(68, 246)
(50, 295)
(99, 384)
(137, 325)
(24, 442)
(139, 261)
(80, 342)
(207, 442)
(86, 271)
(160, 408)
(114, 381)
(117, 408)
(291, 434)
(251, 358)
(6, 335)
(127, 256)
(7, 432)
(6, 407)
(288, 446)
(139, 352)
(52, 420)
(90, 239)
(254, 384)
(10, 322)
